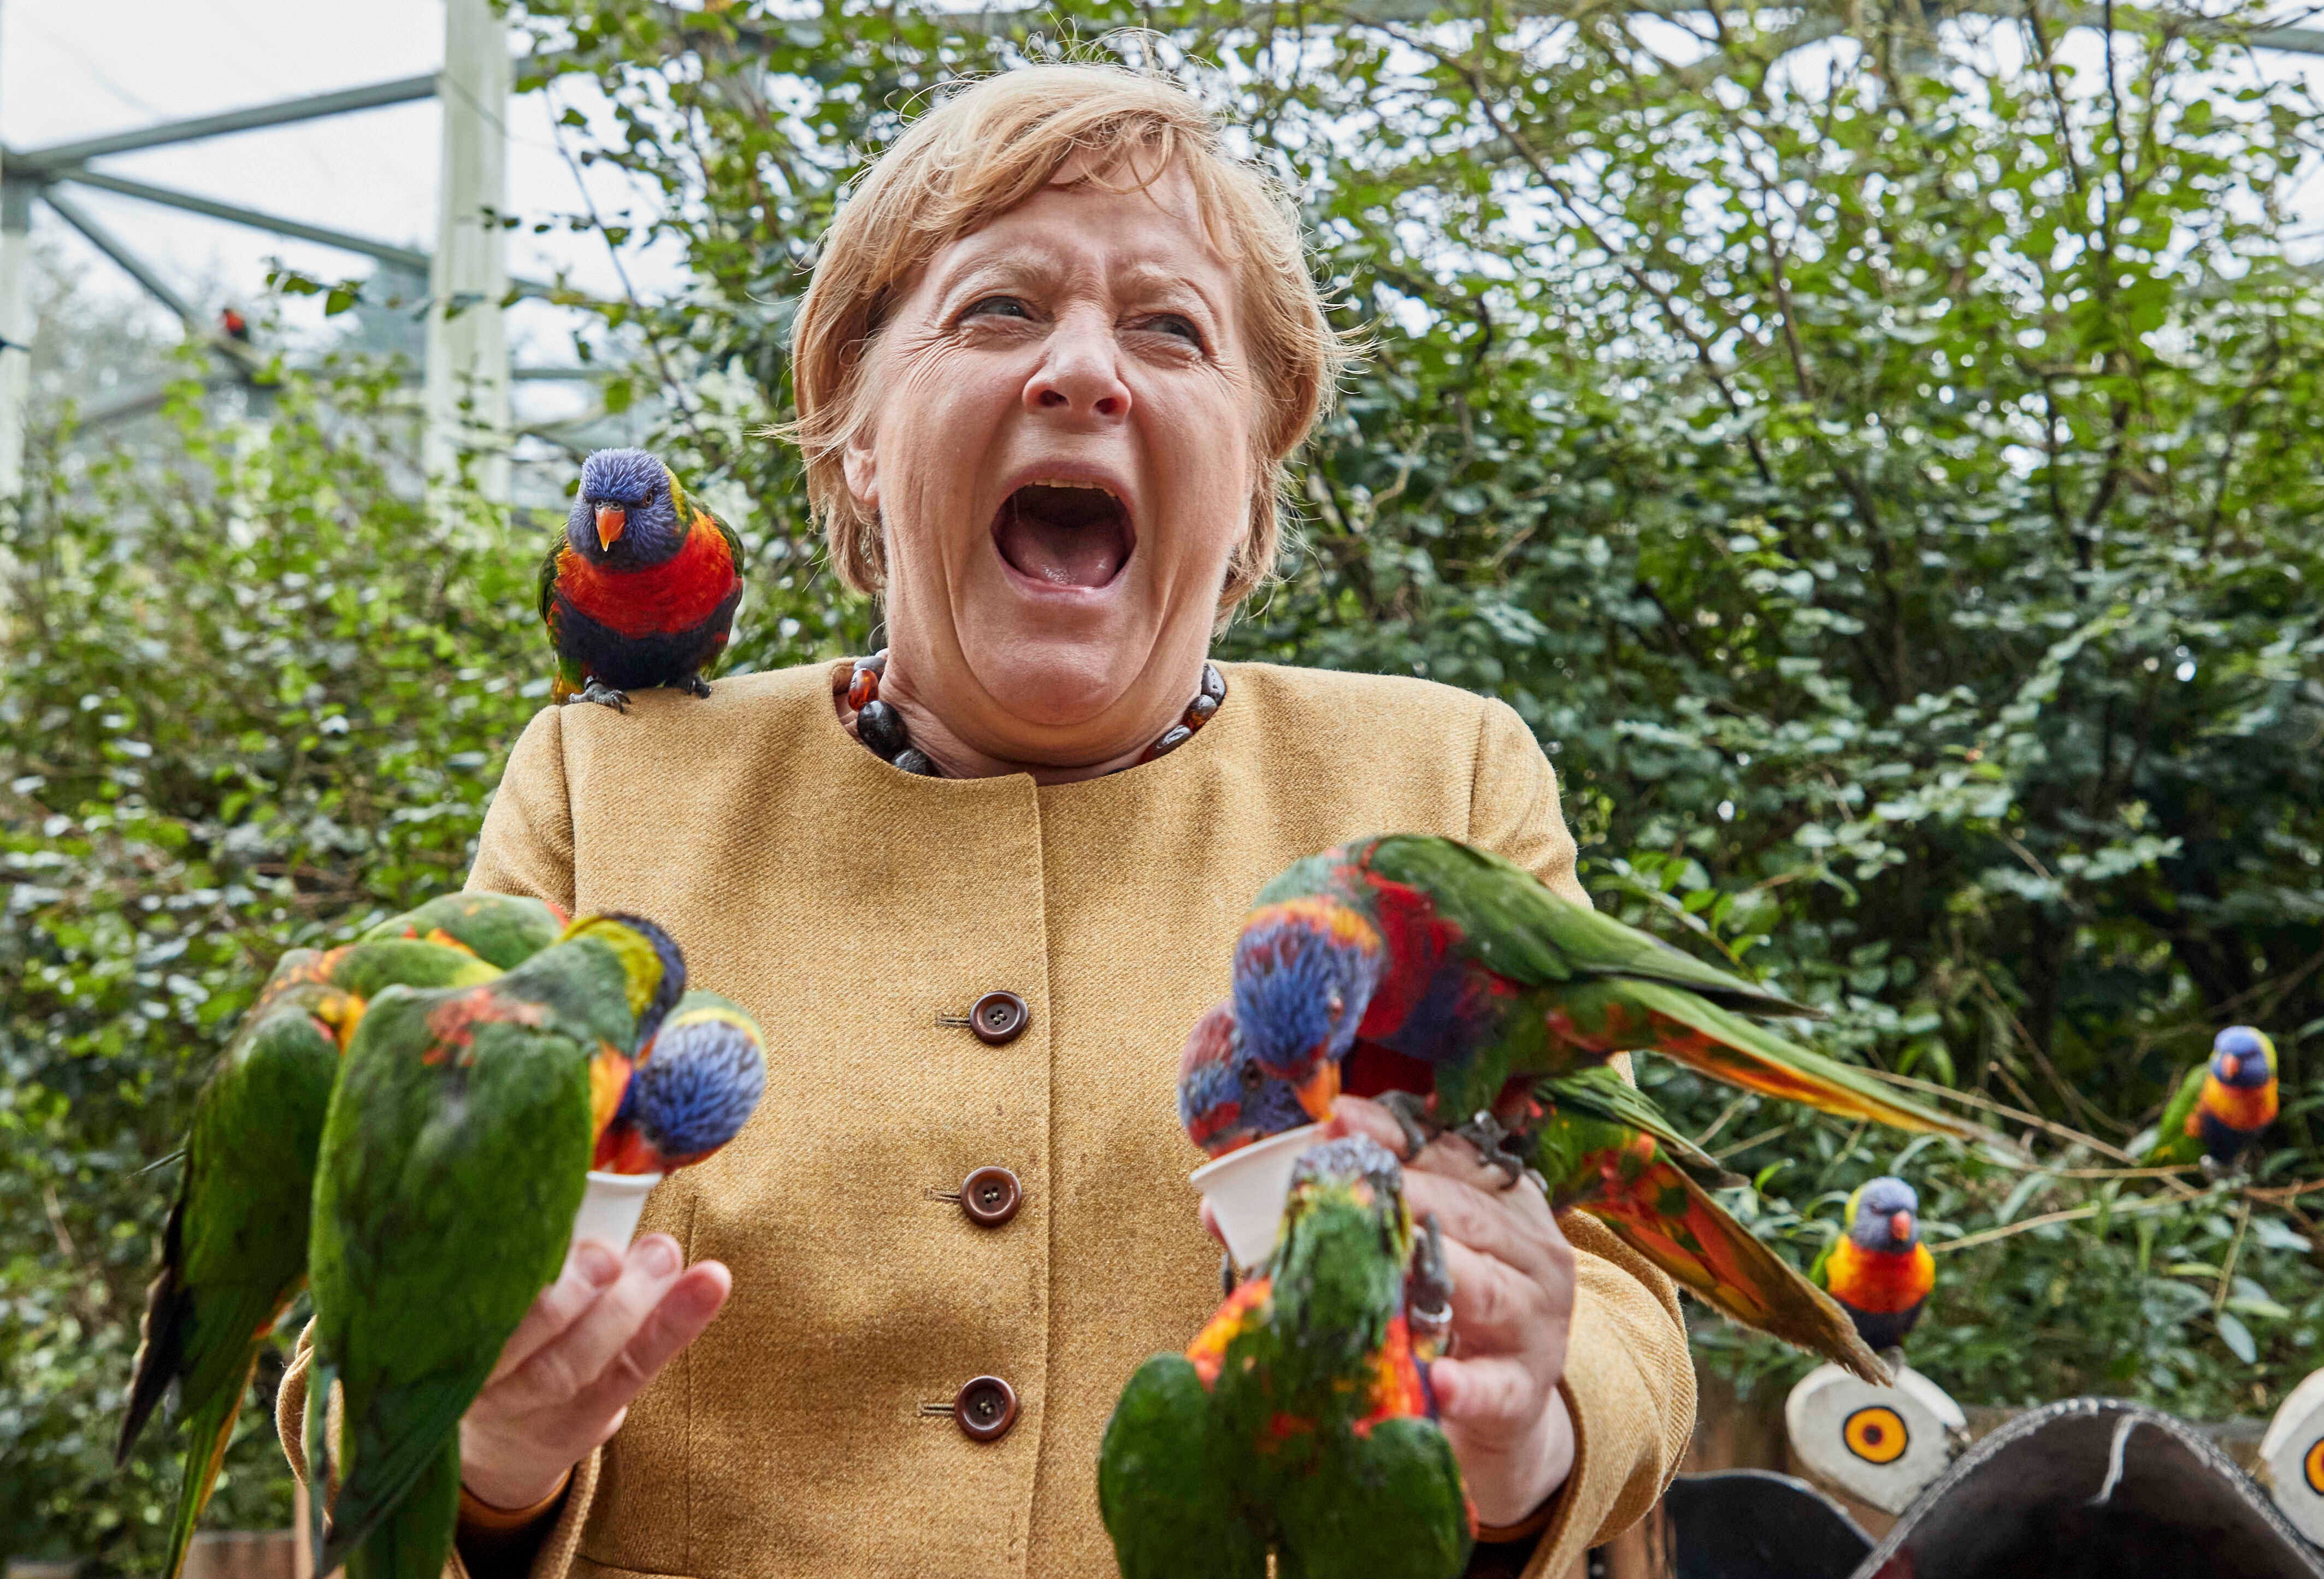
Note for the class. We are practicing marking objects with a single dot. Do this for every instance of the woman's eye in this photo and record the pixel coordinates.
(998, 307)
(1171, 323)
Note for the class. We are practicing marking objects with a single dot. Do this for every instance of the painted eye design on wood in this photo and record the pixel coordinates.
(1876, 1435)
(2314, 1466)
(2292, 1457)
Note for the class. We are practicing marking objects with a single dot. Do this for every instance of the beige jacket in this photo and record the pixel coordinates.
(858, 913)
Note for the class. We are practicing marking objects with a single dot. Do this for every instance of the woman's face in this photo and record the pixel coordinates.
(1060, 453)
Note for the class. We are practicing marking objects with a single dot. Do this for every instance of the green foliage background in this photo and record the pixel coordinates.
(1888, 484)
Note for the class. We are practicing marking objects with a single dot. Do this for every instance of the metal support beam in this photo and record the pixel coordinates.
(241, 356)
(58, 156)
(405, 258)
(15, 328)
(467, 401)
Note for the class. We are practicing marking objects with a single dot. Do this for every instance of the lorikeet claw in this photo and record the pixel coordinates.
(694, 685)
(1428, 1293)
(1227, 1279)
(596, 691)
(1410, 1111)
(1492, 1139)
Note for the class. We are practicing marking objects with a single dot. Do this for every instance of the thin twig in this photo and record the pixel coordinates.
(2068, 1214)
(2234, 1249)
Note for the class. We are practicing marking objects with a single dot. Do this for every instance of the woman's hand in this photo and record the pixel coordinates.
(588, 1346)
(1497, 1393)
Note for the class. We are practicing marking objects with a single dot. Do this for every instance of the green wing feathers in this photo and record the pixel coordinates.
(1395, 1511)
(1520, 930)
(1161, 1490)
(2172, 1144)
(1675, 1223)
(1726, 1048)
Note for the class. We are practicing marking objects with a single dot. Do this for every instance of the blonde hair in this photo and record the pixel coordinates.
(983, 149)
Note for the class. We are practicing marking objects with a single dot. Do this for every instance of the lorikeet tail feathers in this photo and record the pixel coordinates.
(396, 1456)
(161, 1339)
(1672, 1222)
(1728, 1048)
(415, 1539)
(208, 1429)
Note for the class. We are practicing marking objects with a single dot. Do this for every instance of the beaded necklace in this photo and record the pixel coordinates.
(881, 727)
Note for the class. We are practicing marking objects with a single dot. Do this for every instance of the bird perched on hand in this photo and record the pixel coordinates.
(640, 589)
(1299, 1419)
(693, 1090)
(1876, 1267)
(2223, 1107)
(1432, 970)
(502, 928)
(1599, 1147)
(234, 1251)
(453, 1161)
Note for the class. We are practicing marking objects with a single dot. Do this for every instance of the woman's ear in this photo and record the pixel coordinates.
(860, 462)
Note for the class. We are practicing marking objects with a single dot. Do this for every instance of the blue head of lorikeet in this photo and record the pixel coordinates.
(694, 1089)
(627, 515)
(1226, 1099)
(2243, 1057)
(1888, 1216)
(649, 958)
(1305, 969)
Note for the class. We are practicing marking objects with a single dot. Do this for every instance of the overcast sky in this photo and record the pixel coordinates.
(68, 71)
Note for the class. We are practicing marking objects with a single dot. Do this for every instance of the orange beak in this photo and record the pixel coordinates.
(610, 519)
(1900, 1225)
(2230, 1065)
(1320, 1090)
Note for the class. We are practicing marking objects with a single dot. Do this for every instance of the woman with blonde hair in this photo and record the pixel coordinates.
(1054, 355)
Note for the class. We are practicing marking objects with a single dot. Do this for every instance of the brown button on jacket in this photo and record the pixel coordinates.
(859, 913)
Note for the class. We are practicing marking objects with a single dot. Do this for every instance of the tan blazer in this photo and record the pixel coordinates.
(859, 912)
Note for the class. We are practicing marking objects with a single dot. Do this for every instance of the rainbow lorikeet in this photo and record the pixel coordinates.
(693, 1088)
(234, 1251)
(1429, 968)
(640, 589)
(1299, 1421)
(1876, 1267)
(2223, 1107)
(502, 928)
(453, 1161)
(1599, 1147)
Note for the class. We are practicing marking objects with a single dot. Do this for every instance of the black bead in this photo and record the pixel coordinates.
(913, 759)
(879, 727)
(1176, 736)
(877, 663)
(1214, 684)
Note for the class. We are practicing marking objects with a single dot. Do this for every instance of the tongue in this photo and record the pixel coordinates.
(1062, 545)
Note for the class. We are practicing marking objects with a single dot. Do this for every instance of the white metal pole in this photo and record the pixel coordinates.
(15, 328)
(468, 390)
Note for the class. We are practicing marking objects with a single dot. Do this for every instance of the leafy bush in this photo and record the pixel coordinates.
(1886, 480)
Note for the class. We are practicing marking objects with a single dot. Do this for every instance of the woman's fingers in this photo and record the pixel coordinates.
(688, 1308)
(1496, 1309)
(589, 1267)
(1506, 1224)
(1494, 1396)
(565, 1367)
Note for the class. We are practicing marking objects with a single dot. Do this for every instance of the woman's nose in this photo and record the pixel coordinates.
(1079, 376)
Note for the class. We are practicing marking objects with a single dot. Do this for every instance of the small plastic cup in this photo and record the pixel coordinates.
(1246, 1190)
(611, 1206)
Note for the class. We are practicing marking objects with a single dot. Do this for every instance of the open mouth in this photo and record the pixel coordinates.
(1064, 533)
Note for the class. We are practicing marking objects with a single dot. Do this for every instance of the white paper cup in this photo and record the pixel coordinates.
(1246, 1190)
(611, 1206)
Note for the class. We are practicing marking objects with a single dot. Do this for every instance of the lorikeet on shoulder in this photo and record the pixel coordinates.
(234, 1251)
(453, 1159)
(1299, 1421)
(2223, 1106)
(1876, 1267)
(1424, 950)
(504, 929)
(1600, 1145)
(640, 589)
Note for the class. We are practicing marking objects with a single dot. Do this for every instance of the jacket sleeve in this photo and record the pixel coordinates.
(527, 844)
(1629, 1382)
